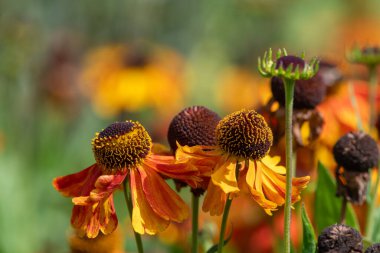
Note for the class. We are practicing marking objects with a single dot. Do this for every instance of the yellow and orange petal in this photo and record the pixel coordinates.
(266, 181)
(155, 204)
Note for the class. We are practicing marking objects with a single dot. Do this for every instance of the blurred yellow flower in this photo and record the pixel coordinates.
(120, 78)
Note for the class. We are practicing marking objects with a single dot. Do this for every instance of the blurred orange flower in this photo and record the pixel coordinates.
(119, 78)
(240, 88)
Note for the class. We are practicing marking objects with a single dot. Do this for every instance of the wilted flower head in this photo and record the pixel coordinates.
(340, 238)
(242, 137)
(355, 153)
(374, 248)
(125, 149)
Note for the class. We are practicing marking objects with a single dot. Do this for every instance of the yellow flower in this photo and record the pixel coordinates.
(243, 139)
(125, 78)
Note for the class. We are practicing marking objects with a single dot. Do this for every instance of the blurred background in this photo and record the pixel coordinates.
(70, 68)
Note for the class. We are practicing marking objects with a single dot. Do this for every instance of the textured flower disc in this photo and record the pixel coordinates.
(122, 145)
(339, 238)
(356, 151)
(193, 126)
(374, 248)
(244, 134)
(307, 93)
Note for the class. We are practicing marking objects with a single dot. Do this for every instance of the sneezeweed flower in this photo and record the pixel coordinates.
(355, 153)
(123, 152)
(194, 126)
(339, 238)
(131, 78)
(243, 137)
(374, 248)
(191, 127)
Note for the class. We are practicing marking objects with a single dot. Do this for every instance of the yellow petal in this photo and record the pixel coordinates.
(225, 177)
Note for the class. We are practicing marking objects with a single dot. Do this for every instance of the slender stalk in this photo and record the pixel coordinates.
(372, 97)
(343, 210)
(372, 205)
(372, 121)
(225, 214)
(128, 200)
(289, 91)
(194, 234)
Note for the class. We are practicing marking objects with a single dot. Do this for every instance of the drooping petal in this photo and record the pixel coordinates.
(257, 191)
(267, 182)
(90, 219)
(78, 184)
(163, 200)
(224, 176)
(169, 167)
(214, 200)
(95, 212)
(144, 219)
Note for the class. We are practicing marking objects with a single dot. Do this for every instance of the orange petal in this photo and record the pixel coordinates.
(78, 184)
(96, 212)
(163, 200)
(214, 200)
(169, 167)
(90, 219)
(144, 219)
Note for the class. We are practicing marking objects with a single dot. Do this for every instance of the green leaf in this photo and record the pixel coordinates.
(308, 242)
(327, 206)
(376, 226)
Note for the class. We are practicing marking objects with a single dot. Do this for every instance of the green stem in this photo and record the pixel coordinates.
(194, 235)
(372, 205)
(289, 91)
(225, 214)
(372, 97)
(128, 200)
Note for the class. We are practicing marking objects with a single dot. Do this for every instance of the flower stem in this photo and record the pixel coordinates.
(194, 235)
(343, 210)
(289, 91)
(372, 205)
(225, 214)
(128, 200)
(372, 97)
(373, 114)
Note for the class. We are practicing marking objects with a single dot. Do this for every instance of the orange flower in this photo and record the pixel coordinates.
(123, 152)
(242, 137)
